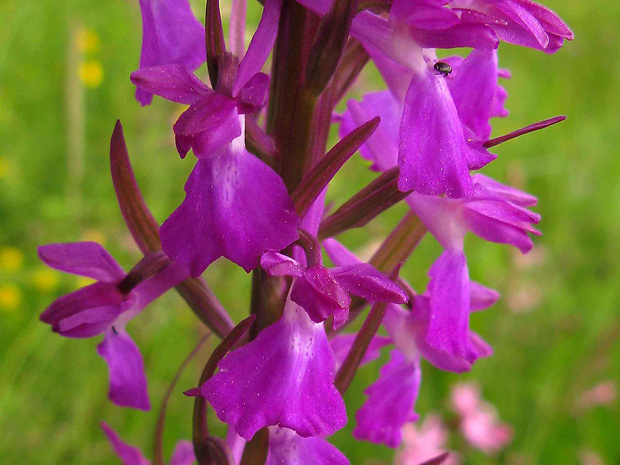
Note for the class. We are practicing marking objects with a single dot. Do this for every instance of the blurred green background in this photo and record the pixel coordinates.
(64, 80)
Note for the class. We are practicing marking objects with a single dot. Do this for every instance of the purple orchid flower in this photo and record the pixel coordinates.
(390, 401)
(287, 447)
(443, 126)
(433, 153)
(392, 397)
(520, 22)
(106, 307)
(284, 377)
(458, 23)
(245, 207)
(324, 292)
(495, 213)
(478, 23)
(212, 120)
(183, 452)
(170, 35)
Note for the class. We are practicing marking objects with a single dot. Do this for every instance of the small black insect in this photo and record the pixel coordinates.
(442, 68)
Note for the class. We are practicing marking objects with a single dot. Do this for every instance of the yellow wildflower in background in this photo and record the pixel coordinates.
(91, 73)
(93, 235)
(10, 297)
(11, 259)
(45, 280)
(88, 41)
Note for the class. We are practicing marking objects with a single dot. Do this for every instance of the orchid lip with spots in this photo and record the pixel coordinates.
(260, 194)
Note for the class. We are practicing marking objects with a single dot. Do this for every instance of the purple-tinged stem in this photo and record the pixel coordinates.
(289, 119)
(291, 104)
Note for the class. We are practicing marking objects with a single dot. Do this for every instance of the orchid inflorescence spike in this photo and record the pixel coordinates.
(256, 196)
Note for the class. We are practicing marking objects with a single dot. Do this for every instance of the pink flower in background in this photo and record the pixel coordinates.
(480, 425)
(590, 457)
(603, 393)
(424, 442)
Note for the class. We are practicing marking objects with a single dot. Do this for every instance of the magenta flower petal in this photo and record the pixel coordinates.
(390, 401)
(277, 264)
(525, 23)
(286, 447)
(126, 368)
(236, 444)
(416, 323)
(207, 125)
(381, 147)
(239, 218)
(183, 454)
(397, 77)
(477, 156)
(149, 290)
(432, 154)
(284, 377)
(501, 221)
(321, 295)
(128, 454)
(499, 190)
(479, 346)
(442, 217)
(173, 82)
(481, 297)
(363, 280)
(551, 22)
(474, 90)
(82, 258)
(260, 45)
(87, 311)
(431, 25)
(448, 328)
(424, 15)
(253, 94)
(170, 35)
(312, 219)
